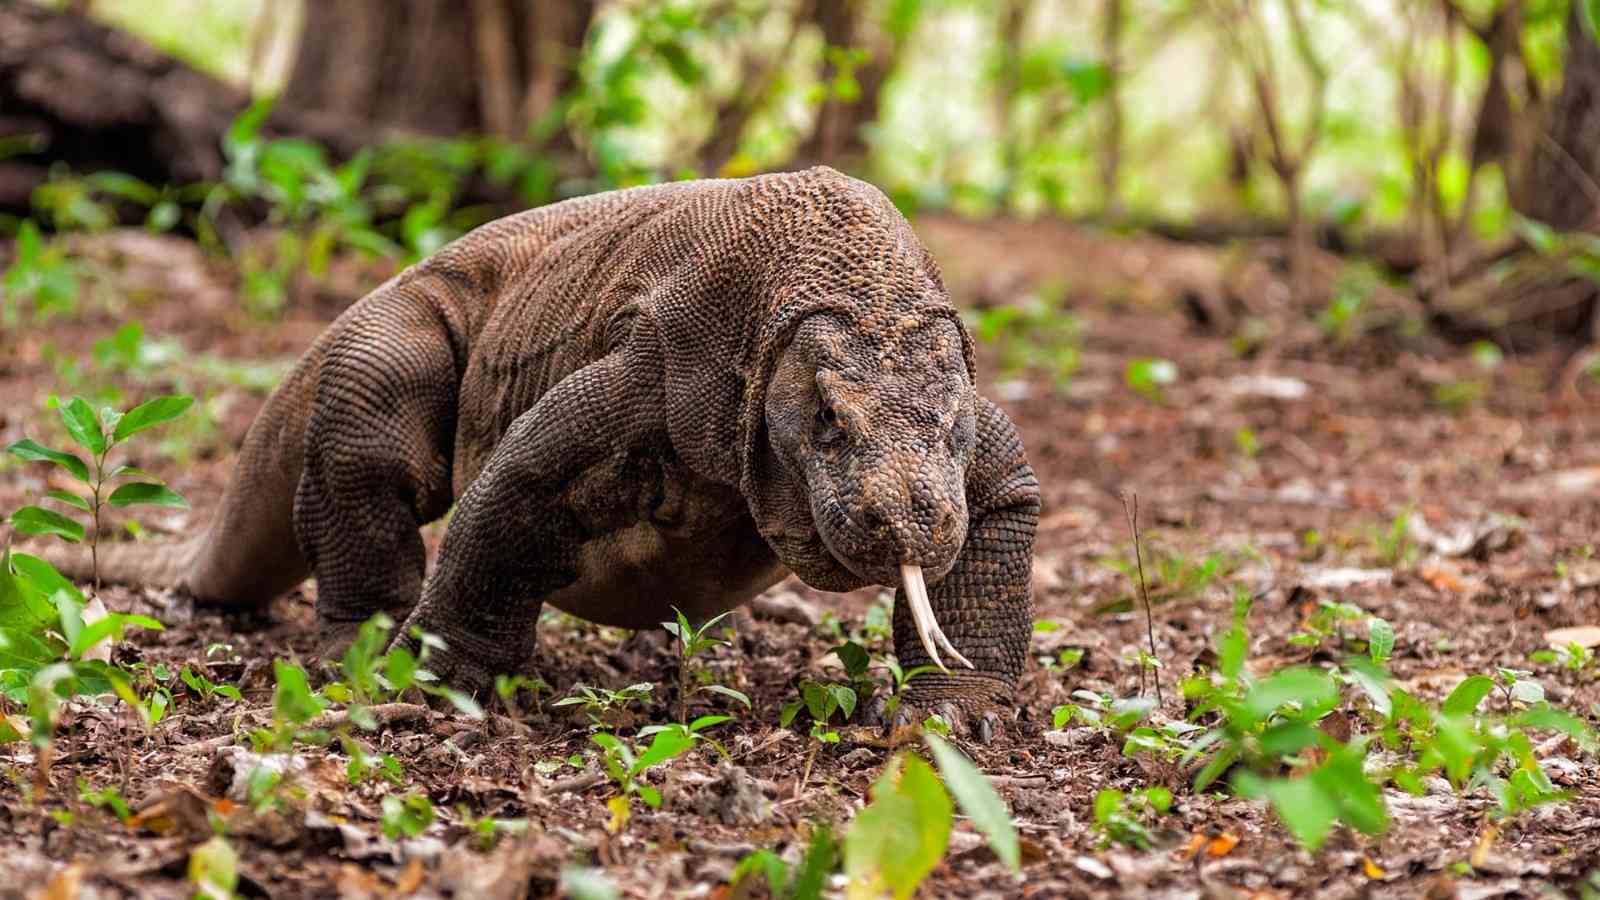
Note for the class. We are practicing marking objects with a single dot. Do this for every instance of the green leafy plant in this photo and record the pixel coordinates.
(1149, 377)
(692, 641)
(40, 273)
(50, 651)
(1120, 818)
(214, 869)
(509, 687)
(408, 815)
(626, 766)
(205, 687)
(1174, 574)
(600, 703)
(98, 434)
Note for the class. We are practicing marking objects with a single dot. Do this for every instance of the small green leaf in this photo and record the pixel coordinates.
(1380, 639)
(83, 425)
(152, 413)
(33, 451)
(38, 520)
(70, 499)
(147, 494)
(978, 800)
(1467, 695)
(725, 691)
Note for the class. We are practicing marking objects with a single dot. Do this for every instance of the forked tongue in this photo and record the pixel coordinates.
(928, 629)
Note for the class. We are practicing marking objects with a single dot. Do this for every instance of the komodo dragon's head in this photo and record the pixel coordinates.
(873, 425)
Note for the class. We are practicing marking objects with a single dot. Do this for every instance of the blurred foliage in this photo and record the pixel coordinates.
(985, 105)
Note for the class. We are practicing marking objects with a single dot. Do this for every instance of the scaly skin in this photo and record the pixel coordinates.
(665, 396)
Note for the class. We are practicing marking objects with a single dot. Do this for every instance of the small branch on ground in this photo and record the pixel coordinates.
(1144, 594)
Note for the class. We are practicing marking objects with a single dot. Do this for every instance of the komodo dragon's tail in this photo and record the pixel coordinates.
(247, 555)
(150, 564)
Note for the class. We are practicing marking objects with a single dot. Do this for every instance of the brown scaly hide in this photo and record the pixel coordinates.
(662, 397)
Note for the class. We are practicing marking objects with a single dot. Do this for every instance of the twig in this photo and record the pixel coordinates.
(578, 783)
(1144, 594)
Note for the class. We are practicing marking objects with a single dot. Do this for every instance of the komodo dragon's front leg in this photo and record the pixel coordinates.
(513, 539)
(984, 602)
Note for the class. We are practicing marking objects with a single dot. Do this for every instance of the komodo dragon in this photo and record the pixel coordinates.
(663, 396)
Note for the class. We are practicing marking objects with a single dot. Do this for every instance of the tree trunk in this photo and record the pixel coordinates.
(439, 67)
(77, 92)
(837, 138)
(1560, 182)
(408, 65)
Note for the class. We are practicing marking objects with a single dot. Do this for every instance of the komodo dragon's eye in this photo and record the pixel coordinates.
(963, 434)
(826, 432)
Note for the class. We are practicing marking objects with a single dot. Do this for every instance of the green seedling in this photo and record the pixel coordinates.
(627, 767)
(1120, 818)
(693, 641)
(600, 703)
(98, 434)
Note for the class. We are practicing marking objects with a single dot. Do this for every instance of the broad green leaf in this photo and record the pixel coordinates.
(897, 839)
(399, 668)
(1467, 695)
(111, 625)
(83, 425)
(43, 578)
(1360, 801)
(1551, 719)
(1305, 809)
(151, 413)
(147, 494)
(665, 746)
(853, 657)
(33, 451)
(1313, 689)
(24, 597)
(69, 614)
(978, 800)
(38, 520)
(1380, 639)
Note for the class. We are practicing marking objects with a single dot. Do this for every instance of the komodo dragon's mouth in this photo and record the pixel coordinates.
(928, 630)
(916, 593)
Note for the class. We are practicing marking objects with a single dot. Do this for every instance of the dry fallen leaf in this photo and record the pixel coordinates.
(1373, 870)
(1222, 845)
(1443, 579)
(1480, 850)
(410, 878)
(1191, 847)
(1582, 635)
(64, 884)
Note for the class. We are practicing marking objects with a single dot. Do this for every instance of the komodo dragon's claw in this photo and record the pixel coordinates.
(978, 719)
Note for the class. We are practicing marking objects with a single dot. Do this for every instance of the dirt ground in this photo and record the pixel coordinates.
(1291, 465)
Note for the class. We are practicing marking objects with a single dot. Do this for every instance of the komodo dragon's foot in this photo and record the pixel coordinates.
(973, 705)
(463, 660)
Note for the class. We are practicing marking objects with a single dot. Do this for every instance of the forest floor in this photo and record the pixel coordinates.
(1454, 499)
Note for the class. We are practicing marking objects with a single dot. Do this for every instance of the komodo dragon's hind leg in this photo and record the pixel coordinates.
(513, 539)
(377, 463)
